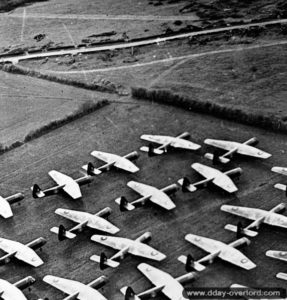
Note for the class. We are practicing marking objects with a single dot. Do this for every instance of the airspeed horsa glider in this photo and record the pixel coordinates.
(65, 183)
(84, 219)
(124, 245)
(234, 147)
(113, 160)
(22, 252)
(10, 291)
(171, 287)
(258, 216)
(5, 208)
(148, 193)
(227, 252)
(221, 179)
(167, 141)
(282, 171)
(76, 289)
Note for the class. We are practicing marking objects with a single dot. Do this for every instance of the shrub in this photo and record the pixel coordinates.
(206, 107)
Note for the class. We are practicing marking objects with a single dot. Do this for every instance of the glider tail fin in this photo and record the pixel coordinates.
(62, 233)
(90, 169)
(185, 183)
(37, 192)
(124, 204)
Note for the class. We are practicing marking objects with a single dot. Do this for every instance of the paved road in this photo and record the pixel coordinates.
(16, 59)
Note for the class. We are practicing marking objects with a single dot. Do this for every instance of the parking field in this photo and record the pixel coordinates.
(117, 128)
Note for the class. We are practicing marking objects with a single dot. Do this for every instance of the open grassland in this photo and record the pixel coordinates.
(252, 80)
(29, 103)
(249, 78)
(68, 23)
(116, 128)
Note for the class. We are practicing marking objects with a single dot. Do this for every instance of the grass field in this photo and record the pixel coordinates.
(116, 129)
(72, 30)
(253, 80)
(28, 103)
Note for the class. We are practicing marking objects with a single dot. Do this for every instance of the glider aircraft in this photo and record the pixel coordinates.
(148, 193)
(232, 148)
(84, 219)
(113, 160)
(167, 141)
(125, 246)
(221, 179)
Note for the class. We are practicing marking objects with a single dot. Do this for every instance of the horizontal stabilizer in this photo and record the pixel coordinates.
(223, 160)
(280, 170)
(191, 188)
(280, 186)
(68, 234)
(197, 266)
(109, 262)
(94, 171)
(247, 232)
(127, 205)
(282, 276)
(155, 151)
(281, 255)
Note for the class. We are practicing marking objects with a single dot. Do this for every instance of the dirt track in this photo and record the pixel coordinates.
(16, 59)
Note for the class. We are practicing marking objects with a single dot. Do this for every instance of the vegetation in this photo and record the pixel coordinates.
(95, 86)
(84, 109)
(228, 112)
(7, 5)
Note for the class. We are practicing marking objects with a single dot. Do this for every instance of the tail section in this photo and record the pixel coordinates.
(151, 150)
(124, 204)
(216, 159)
(190, 263)
(62, 233)
(186, 185)
(243, 231)
(91, 170)
(129, 293)
(104, 261)
(37, 191)
(240, 231)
